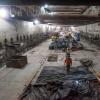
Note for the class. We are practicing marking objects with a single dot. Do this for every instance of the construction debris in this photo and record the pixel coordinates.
(17, 61)
(86, 62)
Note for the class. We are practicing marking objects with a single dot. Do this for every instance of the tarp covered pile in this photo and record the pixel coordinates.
(54, 84)
(63, 43)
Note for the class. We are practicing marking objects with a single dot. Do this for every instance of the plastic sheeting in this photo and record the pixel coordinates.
(55, 84)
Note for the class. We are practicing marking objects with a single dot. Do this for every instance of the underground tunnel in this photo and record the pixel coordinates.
(49, 50)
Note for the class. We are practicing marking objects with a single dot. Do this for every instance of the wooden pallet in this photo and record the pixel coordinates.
(17, 61)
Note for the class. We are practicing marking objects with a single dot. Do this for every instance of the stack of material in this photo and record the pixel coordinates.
(17, 61)
(52, 58)
(63, 43)
(86, 62)
(58, 44)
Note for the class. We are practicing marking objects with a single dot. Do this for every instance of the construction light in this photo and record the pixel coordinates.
(12, 15)
(45, 6)
(73, 28)
(36, 22)
(3, 13)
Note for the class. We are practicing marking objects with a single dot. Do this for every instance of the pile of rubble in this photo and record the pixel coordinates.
(86, 62)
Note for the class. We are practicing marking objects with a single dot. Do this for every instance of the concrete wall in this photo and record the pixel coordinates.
(12, 28)
(92, 28)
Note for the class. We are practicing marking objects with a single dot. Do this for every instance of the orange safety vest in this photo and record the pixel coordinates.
(68, 61)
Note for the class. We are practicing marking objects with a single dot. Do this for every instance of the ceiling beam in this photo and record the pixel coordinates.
(65, 7)
(65, 10)
(68, 17)
(69, 22)
(77, 8)
(68, 13)
(50, 2)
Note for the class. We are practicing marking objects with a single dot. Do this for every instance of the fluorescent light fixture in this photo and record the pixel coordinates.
(3, 13)
(36, 21)
(12, 15)
(73, 28)
(45, 6)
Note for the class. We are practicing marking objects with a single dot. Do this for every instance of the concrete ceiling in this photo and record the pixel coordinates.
(50, 2)
(68, 15)
(66, 12)
(69, 19)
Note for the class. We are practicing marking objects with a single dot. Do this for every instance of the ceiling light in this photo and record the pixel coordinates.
(3, 13)
(36, 21)
(45, 6)
(12, 15)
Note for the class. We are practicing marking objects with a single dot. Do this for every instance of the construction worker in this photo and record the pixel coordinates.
(68, 62)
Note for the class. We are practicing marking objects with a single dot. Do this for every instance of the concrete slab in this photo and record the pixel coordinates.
(13, 81)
